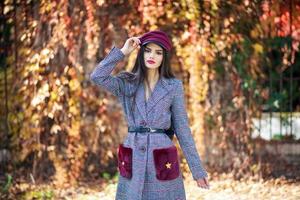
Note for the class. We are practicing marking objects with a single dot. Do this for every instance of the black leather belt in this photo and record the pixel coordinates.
(142, 129)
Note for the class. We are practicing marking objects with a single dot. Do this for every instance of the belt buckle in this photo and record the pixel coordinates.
(151, 130)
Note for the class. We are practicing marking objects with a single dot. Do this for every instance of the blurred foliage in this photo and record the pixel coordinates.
(7, 184)
(59, 125)
(39, 195)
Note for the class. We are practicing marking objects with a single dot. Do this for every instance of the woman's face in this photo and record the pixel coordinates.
(153, 55)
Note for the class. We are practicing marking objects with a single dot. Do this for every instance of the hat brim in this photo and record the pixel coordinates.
(156, 42)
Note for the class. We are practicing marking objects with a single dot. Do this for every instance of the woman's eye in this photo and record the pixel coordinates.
(159, 53)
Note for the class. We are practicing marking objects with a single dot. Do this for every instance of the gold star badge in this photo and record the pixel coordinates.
(123, 163)
(168, 165)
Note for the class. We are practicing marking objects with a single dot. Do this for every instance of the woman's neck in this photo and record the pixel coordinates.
(153, 76)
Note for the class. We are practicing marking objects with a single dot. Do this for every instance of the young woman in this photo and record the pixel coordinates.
(154, 105)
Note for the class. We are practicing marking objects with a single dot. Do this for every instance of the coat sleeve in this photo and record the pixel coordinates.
(183, 133)
(101, 75)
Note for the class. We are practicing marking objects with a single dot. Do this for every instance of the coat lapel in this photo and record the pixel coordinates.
(161, 89)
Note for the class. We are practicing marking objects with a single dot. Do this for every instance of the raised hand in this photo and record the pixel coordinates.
(130, 45)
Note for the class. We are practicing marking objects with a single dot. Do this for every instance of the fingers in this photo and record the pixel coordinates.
(136, 42)
(206, 182)
(203, 183)
(204, 186)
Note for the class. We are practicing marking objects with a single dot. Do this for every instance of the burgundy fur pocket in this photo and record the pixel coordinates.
(125, 161)
(166, 163)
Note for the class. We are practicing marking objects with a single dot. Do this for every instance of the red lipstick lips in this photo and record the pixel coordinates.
(150, 61)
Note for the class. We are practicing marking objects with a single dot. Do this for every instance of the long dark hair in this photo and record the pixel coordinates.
(139, 72)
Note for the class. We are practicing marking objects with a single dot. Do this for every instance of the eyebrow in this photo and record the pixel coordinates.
(151, 49)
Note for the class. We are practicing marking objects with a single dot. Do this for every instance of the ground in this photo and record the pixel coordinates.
(221, 188)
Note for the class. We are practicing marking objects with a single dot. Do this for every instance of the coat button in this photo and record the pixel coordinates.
(143, 148)
(143, 123)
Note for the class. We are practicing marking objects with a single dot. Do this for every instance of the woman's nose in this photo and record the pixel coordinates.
(152, 55)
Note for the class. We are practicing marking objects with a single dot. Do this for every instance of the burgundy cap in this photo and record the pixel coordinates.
(157, 36)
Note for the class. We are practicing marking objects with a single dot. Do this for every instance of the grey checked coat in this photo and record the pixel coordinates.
(166, 100)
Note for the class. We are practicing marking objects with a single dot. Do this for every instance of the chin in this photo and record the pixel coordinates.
(152, 67)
